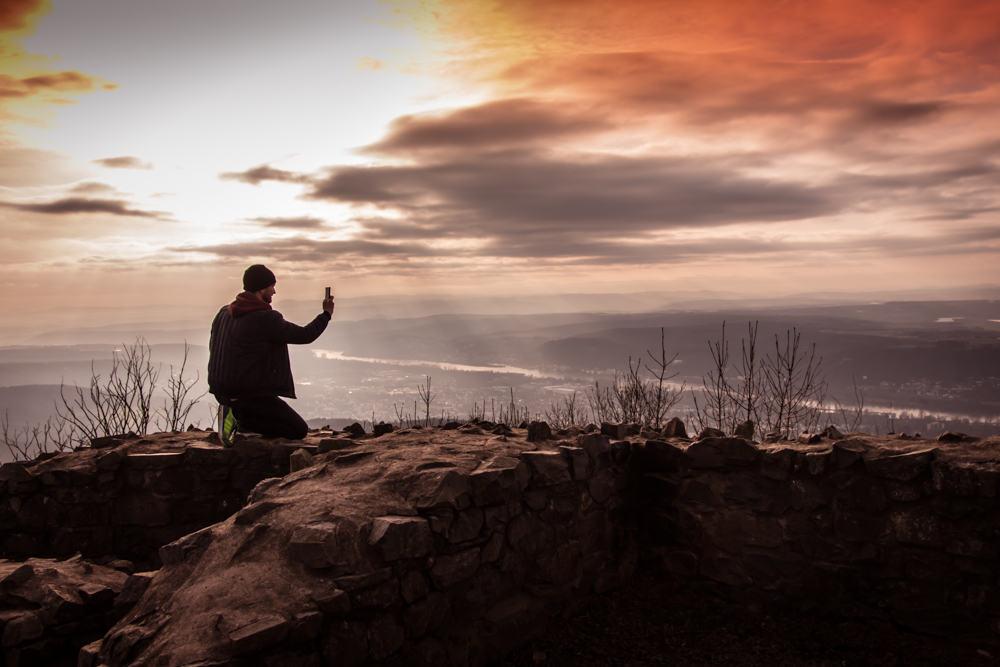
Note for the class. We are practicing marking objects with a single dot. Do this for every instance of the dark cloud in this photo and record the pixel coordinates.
(73, 205)
(92, 187)
(529, 194)
(123, 162)
(583, 251)
(900, 112)
(495, 124)
(290, 223)
(265, 172)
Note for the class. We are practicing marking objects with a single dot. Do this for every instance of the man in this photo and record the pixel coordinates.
(248, 366)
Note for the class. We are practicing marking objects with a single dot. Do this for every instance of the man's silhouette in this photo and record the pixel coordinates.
(248, 366)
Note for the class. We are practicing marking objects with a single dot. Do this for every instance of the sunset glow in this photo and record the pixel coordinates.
(151, 151)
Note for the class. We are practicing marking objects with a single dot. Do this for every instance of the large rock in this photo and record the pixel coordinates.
(902, 467)
(333, 544)
(401, 537)
(436, 487)
(50, 608)
(614, 431)
(674, 428)
(539, 431)
(498, 478)
(719, 452)
(547, 468)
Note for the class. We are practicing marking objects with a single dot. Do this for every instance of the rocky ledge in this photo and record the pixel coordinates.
(454, 545)
(420, 547)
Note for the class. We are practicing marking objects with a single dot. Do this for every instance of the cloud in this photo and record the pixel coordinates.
(499, 124)
(639, 132)
(601, 254)
(93, 187)
(19, 16)
(123, 162)
(75, 205)
(304, 222)
(256, 175)
(27, 87)
(530, 193)
(841, 72)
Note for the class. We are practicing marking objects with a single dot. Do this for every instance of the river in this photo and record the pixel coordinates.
(446, 366)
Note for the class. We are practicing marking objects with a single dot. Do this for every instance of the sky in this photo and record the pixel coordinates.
(151, 151)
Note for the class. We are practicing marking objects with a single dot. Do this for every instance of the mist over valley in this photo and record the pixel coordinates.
(918, 363)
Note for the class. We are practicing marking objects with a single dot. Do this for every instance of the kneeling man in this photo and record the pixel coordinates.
(248, 366)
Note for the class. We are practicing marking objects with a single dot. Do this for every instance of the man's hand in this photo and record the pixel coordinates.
(328, 305)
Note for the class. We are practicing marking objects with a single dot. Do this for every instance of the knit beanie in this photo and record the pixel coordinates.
(258, 277)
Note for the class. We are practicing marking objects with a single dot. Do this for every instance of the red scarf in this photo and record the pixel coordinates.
(246, 302)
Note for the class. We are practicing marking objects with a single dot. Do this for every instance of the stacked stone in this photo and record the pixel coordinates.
(49, 610)
(490, 556)
(130, 496)
(896, 528)
(486, 558)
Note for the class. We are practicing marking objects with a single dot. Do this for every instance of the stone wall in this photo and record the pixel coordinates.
(131, 495)
(426, 547)
(896, 528)
(452, 546)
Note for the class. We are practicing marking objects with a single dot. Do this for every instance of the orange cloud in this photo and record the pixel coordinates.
(26, 81)
(20, 16)
(844, 64)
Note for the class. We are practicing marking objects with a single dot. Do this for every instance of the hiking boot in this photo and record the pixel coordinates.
(227, 425)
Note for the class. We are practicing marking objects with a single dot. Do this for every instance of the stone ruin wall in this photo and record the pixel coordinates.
(130, 495)
(474, 566)
(482, 548)
(898, 529)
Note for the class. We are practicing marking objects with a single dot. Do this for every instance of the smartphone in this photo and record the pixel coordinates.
(327, 292)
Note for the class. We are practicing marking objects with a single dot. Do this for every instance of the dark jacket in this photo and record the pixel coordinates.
(248, 350)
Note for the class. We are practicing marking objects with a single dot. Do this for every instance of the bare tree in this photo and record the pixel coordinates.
(511, 415)
(119, 405)
(426, 396)
(400, 413)
(751, 387)
(634, 399)
(659, 398)
(629, 394)
(478, 414)
(27, 442)
(177, 405)
(796, 387)
(123, 402)
(852, 417)
(717, 394)
(564, 413)
(602, 403)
